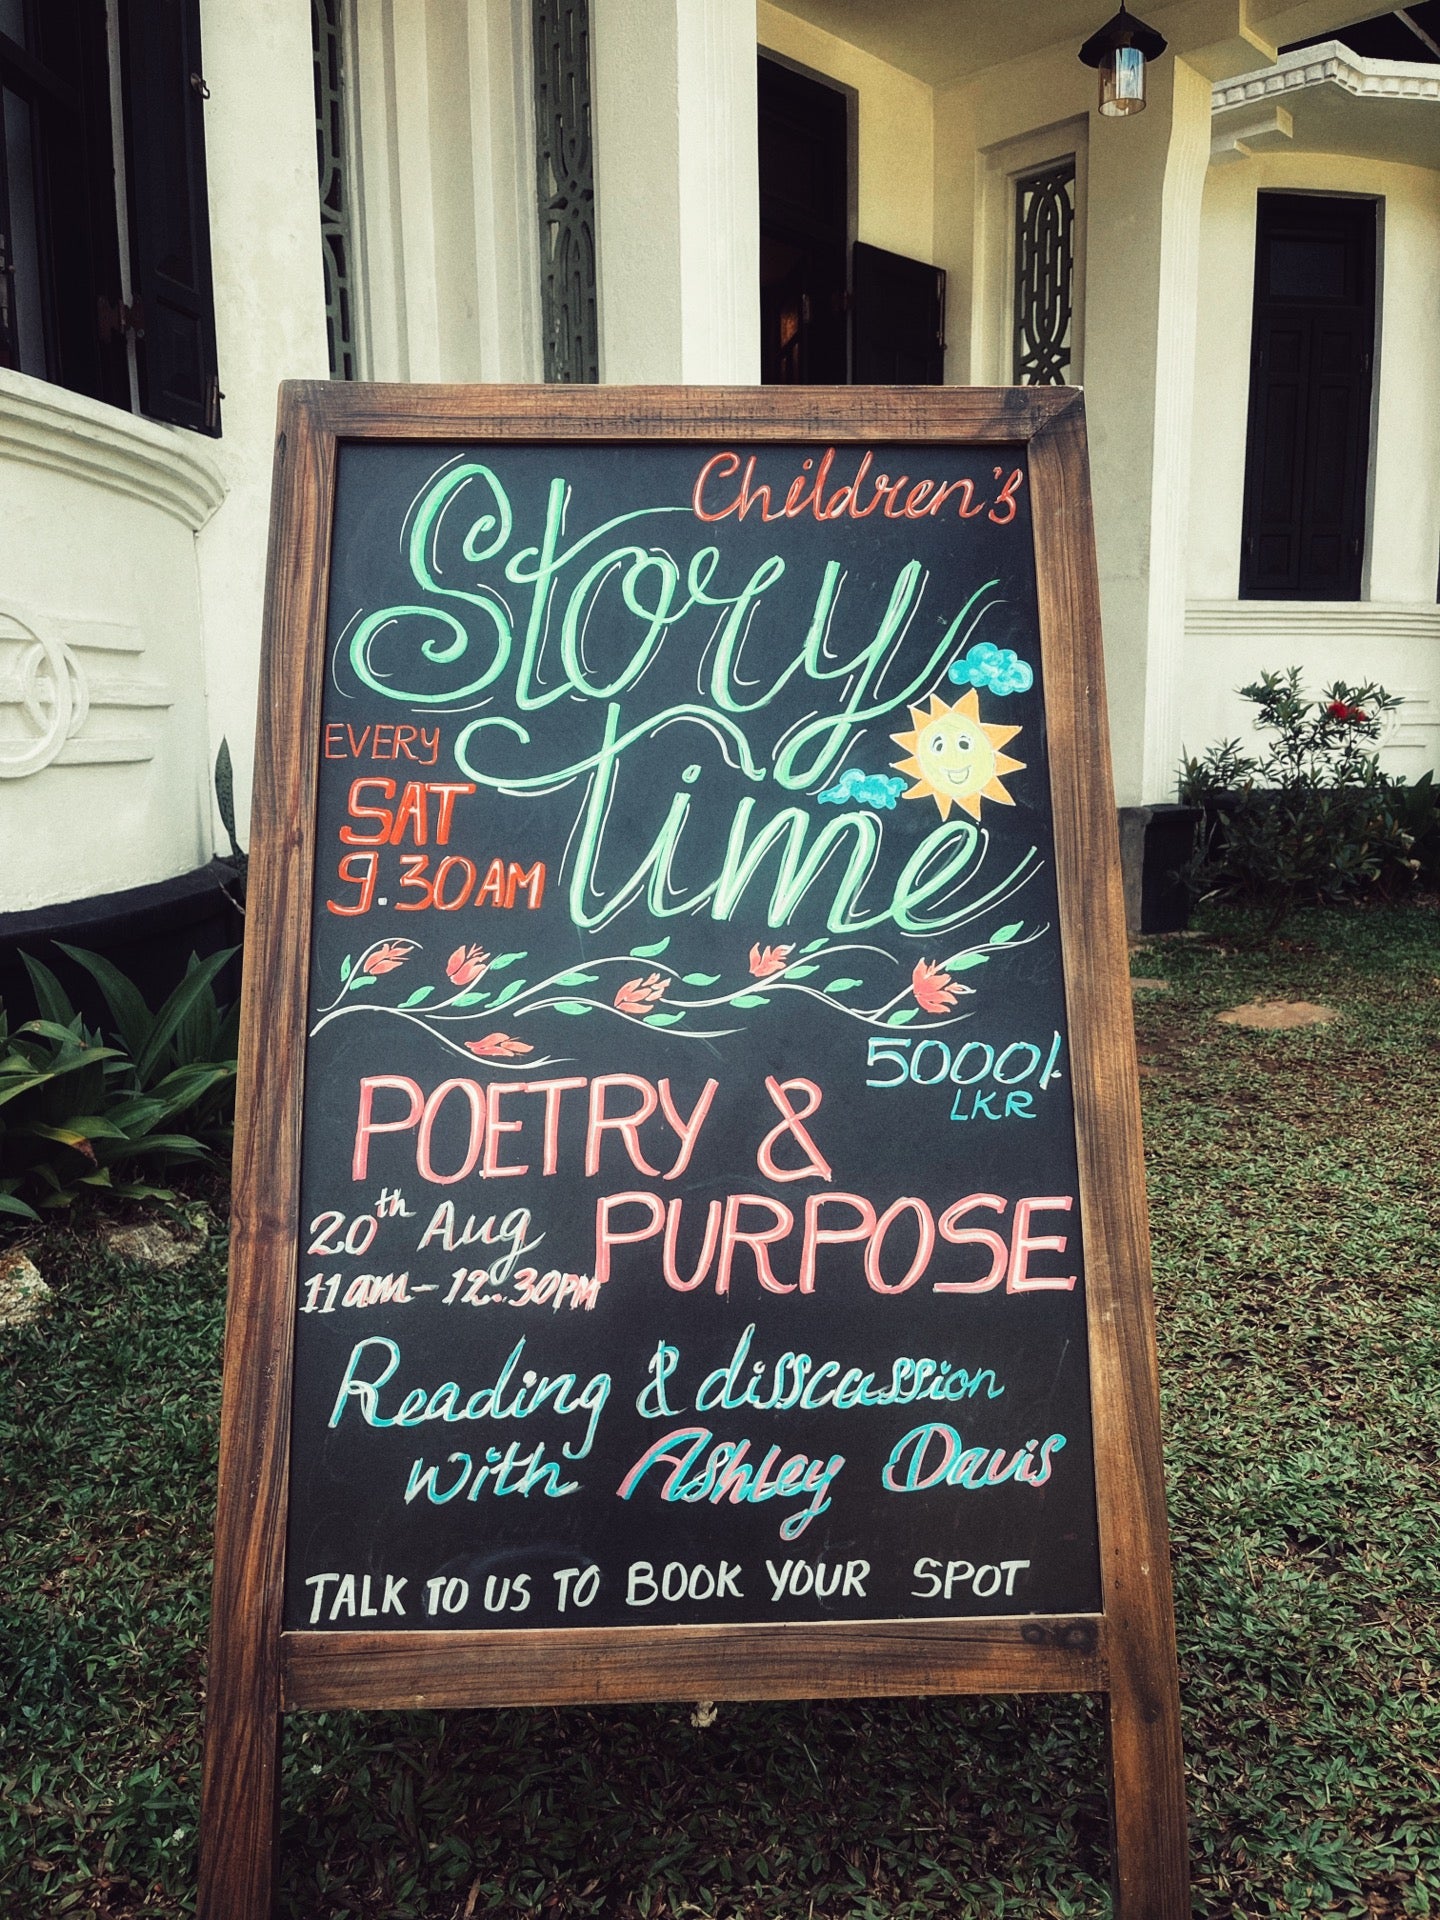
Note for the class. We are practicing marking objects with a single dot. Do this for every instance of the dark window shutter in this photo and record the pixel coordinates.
(169, 213)
(898, 320)
(77, 202)
(1308, 447)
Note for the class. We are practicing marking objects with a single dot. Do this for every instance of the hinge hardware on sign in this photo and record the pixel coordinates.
(197, 81)
(116, 318)
(212, 402)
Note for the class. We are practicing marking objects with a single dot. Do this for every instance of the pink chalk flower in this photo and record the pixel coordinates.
(639, 997)
(499, 1046)
(935, 990)
(466, 964)
(393, 954)
(767, 960)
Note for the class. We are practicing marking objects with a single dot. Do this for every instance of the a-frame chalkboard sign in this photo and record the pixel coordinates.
(690, 1234)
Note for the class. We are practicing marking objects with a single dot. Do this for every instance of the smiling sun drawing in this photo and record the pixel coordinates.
(955, 757)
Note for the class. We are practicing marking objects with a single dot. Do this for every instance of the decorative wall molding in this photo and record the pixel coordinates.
(55, 675)
(1329, 65)
(46, 426)
(1310, 622)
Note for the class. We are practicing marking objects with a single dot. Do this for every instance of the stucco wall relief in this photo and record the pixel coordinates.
(73, 693)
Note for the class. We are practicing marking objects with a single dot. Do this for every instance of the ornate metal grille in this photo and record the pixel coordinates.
(336, 244)
(1044, 275)
(566, 182)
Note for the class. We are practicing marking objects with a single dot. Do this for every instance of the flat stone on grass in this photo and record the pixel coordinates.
(24, 1295)
(152, 1245)
(1278, 1016)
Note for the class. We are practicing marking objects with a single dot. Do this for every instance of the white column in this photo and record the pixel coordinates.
(269, 320)
(446, 209)
(676, 190)
(507, 218)
(1146, 179)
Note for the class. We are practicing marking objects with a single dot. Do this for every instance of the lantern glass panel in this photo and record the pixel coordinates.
(1122, 82)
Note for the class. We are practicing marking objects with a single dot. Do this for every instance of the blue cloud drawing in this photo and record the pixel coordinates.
(869, 789)
(998, 668)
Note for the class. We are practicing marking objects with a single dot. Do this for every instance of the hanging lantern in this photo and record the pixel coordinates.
(1120, 49)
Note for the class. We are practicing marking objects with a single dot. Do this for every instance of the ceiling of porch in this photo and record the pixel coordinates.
(944, 40)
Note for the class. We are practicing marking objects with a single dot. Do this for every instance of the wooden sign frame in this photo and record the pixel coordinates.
(1126, 1652)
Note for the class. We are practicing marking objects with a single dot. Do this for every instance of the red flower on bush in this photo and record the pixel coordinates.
(499, 1046)
(1356, 716)
(935, 990)
(764, 960)
(393, 954)
(639, 997)
(466, 964)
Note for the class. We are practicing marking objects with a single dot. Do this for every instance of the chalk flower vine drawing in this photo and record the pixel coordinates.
(657, 997)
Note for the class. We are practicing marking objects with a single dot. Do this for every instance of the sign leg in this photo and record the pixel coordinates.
(1150, 1848)
(239, 1806)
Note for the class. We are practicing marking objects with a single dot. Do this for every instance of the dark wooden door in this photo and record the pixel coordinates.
(1310, 375)
(804, 228)
(898, 316)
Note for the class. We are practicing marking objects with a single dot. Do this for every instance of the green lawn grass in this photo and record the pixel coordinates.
(1297, 1250)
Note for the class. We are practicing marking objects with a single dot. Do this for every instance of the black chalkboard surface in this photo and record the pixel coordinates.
(689, 1229)
(689, 1182)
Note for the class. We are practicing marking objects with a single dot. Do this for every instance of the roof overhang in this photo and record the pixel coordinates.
(1326, 99)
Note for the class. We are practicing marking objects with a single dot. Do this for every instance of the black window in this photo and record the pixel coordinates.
(1308, 446)
(105, 283)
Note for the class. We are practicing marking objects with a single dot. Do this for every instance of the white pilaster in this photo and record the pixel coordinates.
(1146, 179)
(676, 190)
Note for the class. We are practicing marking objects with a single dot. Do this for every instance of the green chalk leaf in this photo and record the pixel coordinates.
(903, 1017)
(504, 960)
(508, 993)
(652, 952)
(571, 1006)
(750, 1000)
(1006, 933)
(663, 1019)
(424, 993)
(575, 979)
(701, 979)
(466, 999)
(843, 984)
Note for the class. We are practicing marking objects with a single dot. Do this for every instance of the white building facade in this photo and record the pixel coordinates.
(1245, 278)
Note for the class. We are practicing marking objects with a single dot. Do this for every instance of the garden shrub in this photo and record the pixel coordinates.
(1312, 818)
(80, 1119)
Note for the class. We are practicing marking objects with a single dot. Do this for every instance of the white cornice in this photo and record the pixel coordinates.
(46, 426)
(1334, 65)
